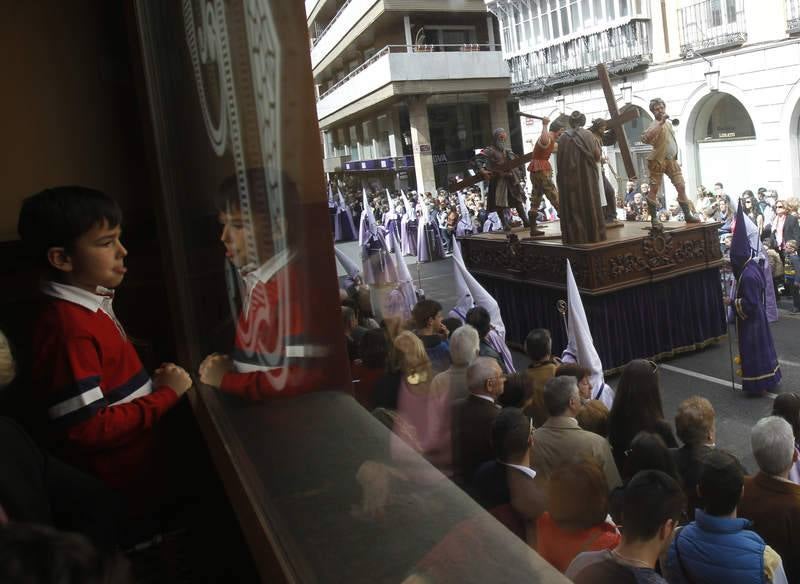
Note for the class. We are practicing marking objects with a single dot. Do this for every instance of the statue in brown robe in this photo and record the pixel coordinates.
(578, 181)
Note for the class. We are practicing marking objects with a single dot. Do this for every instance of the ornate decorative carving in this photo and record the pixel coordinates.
(629, 261)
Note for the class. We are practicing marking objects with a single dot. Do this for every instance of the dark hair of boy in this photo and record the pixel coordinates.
(650, 499)
(479, 318)
(227, 199)
(57, 217)
(423, 311)
(720, 484)
(538, 344)
(511, 432)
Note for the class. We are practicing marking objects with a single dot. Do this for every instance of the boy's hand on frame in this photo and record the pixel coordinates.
(174, 377)
(213, 369)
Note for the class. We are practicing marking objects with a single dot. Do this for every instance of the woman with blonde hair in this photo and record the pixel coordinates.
(423, 406)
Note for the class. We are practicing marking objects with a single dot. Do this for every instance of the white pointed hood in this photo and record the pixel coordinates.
(391, 202)
(349, 266)
(580, 348)
(403, 298)
(478, 294)
(409, 209)
(368, 226)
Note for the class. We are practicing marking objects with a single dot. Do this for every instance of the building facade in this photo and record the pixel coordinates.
(407, 89)
(728, 70)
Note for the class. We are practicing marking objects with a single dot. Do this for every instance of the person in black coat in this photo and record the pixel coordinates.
(37, 488)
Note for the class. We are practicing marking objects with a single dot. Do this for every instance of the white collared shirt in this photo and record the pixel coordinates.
(101, 300)
(263, 274)
(526, 469)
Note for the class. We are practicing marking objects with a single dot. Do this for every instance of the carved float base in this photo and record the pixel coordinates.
(630, 256)
(646, 296)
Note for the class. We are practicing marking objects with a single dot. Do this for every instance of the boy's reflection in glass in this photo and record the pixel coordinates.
(271, 356)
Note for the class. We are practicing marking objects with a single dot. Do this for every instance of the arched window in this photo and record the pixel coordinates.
(723, 118)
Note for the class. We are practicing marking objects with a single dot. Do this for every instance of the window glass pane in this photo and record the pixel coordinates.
(598, 11)
(610, 11)
(731, 6)
(565, 28)
(623, 8)
(716, 13)
(546, 28)
(554, 23)
(586, 9)
(537, 31)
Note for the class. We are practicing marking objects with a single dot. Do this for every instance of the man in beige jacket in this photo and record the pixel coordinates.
(560, 439)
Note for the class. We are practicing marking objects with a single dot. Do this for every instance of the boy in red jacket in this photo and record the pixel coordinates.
(102, 406)
(274, 353)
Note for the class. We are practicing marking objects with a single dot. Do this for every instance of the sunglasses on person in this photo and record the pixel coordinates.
(779, 207)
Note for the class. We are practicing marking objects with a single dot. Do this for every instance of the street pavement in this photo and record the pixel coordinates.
(707, 372)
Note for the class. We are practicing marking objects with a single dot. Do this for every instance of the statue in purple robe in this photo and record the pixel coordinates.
(760, 370)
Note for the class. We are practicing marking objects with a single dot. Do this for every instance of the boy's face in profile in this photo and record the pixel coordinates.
(234, 238)
(96, 259)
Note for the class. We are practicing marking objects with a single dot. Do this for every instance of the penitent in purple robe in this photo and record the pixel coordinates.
(759, 362)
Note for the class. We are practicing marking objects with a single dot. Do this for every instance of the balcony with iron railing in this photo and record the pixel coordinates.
(402, 63)
(711, 25)
(793, 16)
(622, 48)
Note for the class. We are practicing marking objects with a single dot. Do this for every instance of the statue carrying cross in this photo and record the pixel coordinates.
(663, 159)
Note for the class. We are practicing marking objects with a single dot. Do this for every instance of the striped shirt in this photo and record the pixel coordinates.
(99, 400)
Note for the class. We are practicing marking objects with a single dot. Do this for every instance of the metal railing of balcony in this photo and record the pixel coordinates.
(712, 25)
(622, 48)
(336, 16)
(464, 48)
(793, 16)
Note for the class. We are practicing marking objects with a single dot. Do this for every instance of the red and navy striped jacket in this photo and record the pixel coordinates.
(273, 355)
(99, 400)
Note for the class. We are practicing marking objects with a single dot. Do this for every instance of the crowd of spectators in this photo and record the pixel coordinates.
(624, 495)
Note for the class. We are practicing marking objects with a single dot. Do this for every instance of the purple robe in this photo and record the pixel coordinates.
(408, 235)
(379, 266)
(429, 243)
(392, 224)
(759, 363)
(344, 229)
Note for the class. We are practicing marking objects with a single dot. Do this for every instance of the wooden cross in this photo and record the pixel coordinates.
(622, 140)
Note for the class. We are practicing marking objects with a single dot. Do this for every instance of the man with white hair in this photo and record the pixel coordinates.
(770, 500)
(464, 344)
(561, 440)
(473, 417)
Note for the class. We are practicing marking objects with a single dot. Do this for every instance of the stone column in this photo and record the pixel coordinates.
(421, 143)
(498, 111)
(395, 136)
